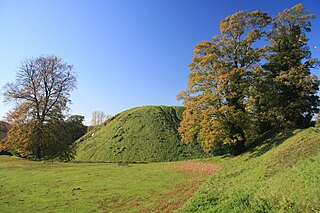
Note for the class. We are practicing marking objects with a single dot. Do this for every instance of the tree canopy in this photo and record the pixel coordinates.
(238, 87)
(288, 65)
(41, 96)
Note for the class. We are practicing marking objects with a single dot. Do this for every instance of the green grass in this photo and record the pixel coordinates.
(280, 175)
(27, 186)
(142, 134)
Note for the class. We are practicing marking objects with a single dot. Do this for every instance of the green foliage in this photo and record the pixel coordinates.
(59, 141)
(75, 127)
(232, 96)
(293, 99)
(140, 134)
(281, 174)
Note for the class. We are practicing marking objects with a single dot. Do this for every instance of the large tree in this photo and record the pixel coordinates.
(219, 99)
(294, 100)
(41, 96)
(238, 87)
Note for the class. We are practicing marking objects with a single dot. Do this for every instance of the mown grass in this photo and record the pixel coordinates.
(27, 186)
(142, 134)
(279, 175)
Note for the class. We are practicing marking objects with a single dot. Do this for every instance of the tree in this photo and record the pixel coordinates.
(4, 127)
(232, 95)
(41, 96)
(220, 99)
(294, 100)
(75, 126)
(18, 139)
(98, 117)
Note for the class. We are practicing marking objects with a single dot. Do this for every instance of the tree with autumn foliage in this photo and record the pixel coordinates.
(218, 101)
(232, 95)
(41, 96)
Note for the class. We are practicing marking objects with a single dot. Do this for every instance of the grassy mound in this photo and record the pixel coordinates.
(142, 134)
(281, 174)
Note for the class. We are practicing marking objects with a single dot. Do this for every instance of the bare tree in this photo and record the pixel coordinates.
(98, 117)
(41, 93)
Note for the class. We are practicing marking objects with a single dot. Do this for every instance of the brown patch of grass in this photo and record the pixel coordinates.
(167, 202)
(197, 168)
(174, 199)
(196, 172)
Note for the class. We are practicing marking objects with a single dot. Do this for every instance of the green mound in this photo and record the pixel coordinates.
(142, 134)
(281, 174)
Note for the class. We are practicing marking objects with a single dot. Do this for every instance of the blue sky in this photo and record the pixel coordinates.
(126, 53)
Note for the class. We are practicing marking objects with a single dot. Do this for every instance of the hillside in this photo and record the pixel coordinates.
(142, 134)
(280, 174)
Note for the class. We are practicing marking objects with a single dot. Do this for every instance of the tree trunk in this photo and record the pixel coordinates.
(38, 152)
(239, 147)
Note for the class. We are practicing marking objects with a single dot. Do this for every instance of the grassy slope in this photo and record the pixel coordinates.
(27, 186)
(279, 175)
(269, 178)
(142, 134)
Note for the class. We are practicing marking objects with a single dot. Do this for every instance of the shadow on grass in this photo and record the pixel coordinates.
(267, 141)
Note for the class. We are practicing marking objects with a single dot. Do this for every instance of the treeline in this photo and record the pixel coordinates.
(52, 140)
(251, 78)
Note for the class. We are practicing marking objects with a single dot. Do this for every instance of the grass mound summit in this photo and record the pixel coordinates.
(142, 134)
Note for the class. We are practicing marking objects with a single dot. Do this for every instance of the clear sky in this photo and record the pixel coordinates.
(127, 53)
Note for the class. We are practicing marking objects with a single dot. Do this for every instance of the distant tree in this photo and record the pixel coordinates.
(219, 100)
(98, 117)
(294, 98)
(41, 94)
(75, 126)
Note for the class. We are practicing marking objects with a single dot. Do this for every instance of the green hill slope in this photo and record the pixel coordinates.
(141, 134)
(282, 174)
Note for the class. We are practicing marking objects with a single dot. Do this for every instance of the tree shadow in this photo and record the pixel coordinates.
(267, 141)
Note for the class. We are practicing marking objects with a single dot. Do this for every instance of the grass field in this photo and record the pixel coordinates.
(280, 173)
(27, 186)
